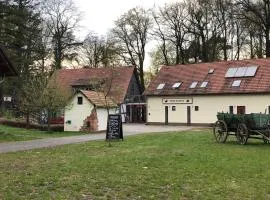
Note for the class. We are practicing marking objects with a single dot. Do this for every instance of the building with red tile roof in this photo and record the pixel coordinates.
(120, 85)
(88, 111)
(121, 79)
(194, 93)
(98, 99)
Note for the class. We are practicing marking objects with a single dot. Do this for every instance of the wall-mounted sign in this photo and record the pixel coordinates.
(177, 101)
(7, 98)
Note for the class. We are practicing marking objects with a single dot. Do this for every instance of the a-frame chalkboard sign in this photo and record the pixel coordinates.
(114, 127)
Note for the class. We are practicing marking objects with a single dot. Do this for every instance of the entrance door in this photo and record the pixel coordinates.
(166, 115)
(188, 115)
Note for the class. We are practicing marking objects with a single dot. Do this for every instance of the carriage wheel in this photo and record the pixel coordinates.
(267, 134)
(220, 131)
(242, 134)
(265, 141)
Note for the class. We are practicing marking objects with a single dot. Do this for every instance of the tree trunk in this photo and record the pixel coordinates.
(177, 59)
(164, 52)
(141, 74)
(251, 46)
(260, 50)
(267, 41)
(225, 45)
(204, 50)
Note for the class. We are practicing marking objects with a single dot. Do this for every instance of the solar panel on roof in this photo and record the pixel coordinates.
(177, 85)
(231, 72)
(251, 71)
(160, 86)
(241, 71)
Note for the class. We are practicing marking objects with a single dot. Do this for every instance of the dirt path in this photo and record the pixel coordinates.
(128, 129)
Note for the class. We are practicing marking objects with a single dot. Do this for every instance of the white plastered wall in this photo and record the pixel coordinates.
(102, 116)
(208, 105)
(76, 114)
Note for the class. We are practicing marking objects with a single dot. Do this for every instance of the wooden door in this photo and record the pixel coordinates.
(188, 115)
(166, 115)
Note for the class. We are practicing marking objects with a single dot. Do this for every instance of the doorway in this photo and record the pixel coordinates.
(166, 115)
(188, 115)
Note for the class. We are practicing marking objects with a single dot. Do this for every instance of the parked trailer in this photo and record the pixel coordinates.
(243, 126)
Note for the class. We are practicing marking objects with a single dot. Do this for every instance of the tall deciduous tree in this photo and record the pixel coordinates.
(258, 13)
(131, 32)
(62, 20)
(175, 16)
(99, 51)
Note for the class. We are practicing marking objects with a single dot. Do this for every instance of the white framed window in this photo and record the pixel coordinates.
(211, 71)
(236, 83)
(204, 84)
(160, 86)
(177, 85)
(193, 84)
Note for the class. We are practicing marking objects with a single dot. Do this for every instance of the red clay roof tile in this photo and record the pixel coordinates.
(218, 84)
(121, 77)
(98, 99)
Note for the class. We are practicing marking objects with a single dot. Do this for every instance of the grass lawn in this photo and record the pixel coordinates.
(8, 134)
(186, 165)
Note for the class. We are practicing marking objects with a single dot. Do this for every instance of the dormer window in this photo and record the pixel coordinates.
(193, 84)
(236, 83)
(160, 86)
(211, 71)
(204, 84)
(176, 85)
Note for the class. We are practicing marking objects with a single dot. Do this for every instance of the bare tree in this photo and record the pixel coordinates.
(175, 16)
(131, 32)
(99, 51)
(62, 20)
(258, 13)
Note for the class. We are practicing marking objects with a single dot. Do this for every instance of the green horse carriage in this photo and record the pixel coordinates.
(243, 126)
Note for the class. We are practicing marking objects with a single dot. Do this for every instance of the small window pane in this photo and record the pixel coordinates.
(177, 85)
(211, 71)
(160, 86)
(236, 83)
(251, 71)
(204, 84)
(80, 100)
(173, 108)
(193, 84)
(196, 108)
(231, 72)
(240, 72)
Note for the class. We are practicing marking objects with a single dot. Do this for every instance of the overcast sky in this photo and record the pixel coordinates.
(99, 15)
